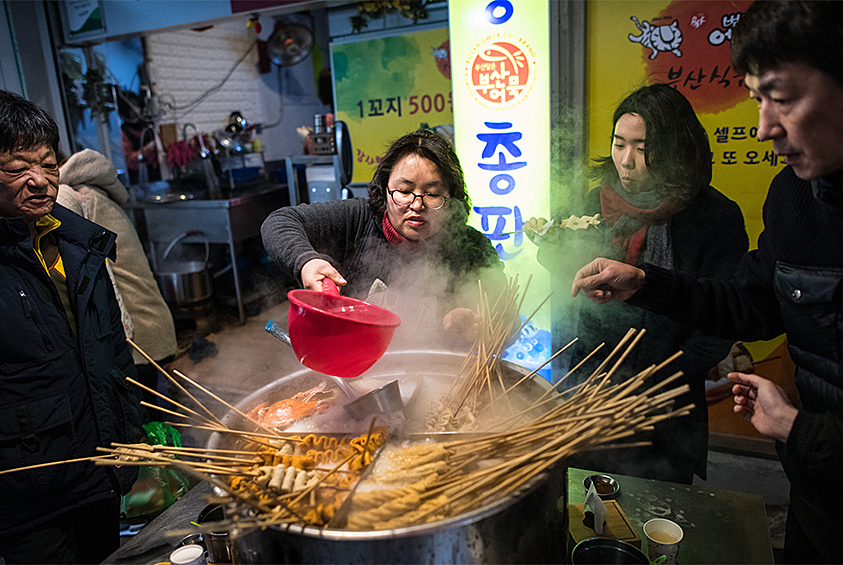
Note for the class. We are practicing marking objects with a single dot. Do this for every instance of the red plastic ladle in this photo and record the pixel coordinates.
(337, 335)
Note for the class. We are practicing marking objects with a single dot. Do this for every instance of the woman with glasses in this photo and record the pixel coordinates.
(406, 248)
(658, 205)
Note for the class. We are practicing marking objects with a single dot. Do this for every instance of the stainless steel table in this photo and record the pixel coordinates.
(720, 526)
(224, 221)
(154, 543)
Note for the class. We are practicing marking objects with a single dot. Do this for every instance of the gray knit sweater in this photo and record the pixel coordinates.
(425, 280)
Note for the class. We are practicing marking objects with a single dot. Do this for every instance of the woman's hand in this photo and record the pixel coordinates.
(315, 270)
(464, 322)
(533, 228)
(764, 404)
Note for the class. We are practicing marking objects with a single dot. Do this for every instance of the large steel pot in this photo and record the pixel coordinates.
(528, 527)
(183, 283)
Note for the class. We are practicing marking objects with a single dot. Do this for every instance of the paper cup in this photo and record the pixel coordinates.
(663, 537)
(188, 555)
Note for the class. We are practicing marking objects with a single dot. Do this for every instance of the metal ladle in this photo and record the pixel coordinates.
(384, 399)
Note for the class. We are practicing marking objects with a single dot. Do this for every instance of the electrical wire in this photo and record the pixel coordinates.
(276, 123)
(198, 100)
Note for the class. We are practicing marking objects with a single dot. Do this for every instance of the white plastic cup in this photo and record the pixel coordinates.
(188, 555)
(663, 537)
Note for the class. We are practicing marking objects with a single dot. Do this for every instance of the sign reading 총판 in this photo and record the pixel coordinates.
(500, 59)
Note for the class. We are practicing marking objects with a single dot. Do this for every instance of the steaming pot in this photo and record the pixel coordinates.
(528, 527)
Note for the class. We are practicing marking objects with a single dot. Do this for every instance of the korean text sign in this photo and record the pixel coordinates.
(500, 59)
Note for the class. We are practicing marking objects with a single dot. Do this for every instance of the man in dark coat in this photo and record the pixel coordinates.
(63, 359)
(792, 54)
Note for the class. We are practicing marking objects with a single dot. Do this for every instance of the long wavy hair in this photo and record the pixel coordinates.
(677, 151)
(25, 126)
(438, 151)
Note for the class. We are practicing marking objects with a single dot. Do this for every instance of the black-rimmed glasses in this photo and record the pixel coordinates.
(405, 198)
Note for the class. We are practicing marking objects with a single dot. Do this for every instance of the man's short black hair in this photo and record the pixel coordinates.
(773, 32)
(25, 126)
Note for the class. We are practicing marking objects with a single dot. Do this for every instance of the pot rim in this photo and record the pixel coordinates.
(187, 268)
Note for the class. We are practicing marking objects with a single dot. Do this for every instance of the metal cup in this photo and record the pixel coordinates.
(216, 543)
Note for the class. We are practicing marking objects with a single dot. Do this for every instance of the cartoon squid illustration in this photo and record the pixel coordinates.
(658, 38)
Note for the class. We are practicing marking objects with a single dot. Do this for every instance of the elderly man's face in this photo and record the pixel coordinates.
(800, 110)
(29, 183)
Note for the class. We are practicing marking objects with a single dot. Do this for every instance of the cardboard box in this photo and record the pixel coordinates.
(168, 134)
(617, 525)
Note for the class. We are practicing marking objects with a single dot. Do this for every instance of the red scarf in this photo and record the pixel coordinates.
(613, 206)
(392, 235)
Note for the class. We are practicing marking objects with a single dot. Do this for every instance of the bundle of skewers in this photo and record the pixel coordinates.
(448, 479)
(275, 477)
(271, 477)
(479, 384)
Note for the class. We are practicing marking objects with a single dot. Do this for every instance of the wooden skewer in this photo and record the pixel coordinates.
(157, 458)
(160, 409)
(171, 401)
(223, 402)
(198, 449)
(248, 436)
(188, 452)
(175, 382)
(53, 463)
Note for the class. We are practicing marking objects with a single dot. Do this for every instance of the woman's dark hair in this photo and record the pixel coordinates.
(25, 126)
(435, 149)
(677, 151)
(774, 32)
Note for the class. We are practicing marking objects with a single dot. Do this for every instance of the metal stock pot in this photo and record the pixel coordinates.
(527, 527)
(183, 283)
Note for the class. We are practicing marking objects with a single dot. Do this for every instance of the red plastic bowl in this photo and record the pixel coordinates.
(337, 335)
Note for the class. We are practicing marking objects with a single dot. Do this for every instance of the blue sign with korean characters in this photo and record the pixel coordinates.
(500, 60)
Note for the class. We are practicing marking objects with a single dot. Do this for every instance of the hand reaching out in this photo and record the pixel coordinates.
(604, 280)
(464, 322)
(315, 270)
(763, 403)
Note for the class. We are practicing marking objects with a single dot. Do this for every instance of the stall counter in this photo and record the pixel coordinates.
(720, 526)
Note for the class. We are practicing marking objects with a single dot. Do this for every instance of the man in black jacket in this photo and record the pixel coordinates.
(63, 359)
(792, 54)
